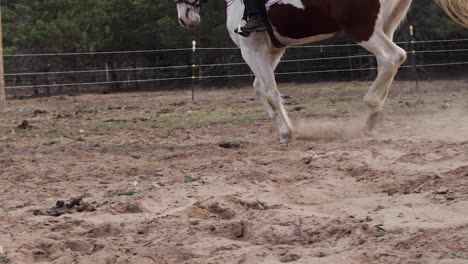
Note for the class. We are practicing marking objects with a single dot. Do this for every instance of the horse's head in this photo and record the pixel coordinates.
(188, 12)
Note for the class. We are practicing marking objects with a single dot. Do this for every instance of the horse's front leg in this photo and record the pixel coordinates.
(263, 60)
(269, 95)
(263, 99)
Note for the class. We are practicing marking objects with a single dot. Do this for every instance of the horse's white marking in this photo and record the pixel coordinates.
(296, 3)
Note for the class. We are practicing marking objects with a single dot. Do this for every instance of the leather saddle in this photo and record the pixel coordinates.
(274, 40)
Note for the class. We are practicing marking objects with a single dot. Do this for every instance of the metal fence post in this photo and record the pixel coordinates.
(194, 68)
(2, 76)
(414, 66)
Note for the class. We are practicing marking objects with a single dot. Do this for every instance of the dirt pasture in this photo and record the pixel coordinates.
(152, 178)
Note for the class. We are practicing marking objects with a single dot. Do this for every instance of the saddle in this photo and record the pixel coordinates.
(274, 40)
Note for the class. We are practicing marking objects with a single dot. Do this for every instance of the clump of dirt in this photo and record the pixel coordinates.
(233, 144)
(104, 230)
(75, 205)
(413, 184)
(287, 257)
(221, 210)
(24, 125)
(38, 112)
(331, 232)
(127, 208)
(461, 171)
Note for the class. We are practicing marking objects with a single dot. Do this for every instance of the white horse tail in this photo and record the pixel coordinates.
(456, 9)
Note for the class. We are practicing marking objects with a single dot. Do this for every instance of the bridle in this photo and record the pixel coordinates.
(194, 4)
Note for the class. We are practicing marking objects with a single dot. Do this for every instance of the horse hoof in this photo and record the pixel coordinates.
(286, 138)
(368, 132)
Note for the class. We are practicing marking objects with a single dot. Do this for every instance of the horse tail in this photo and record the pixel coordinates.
(456, 9)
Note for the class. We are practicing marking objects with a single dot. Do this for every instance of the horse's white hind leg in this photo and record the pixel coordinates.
(397, 13)
(389, 58)
(263, 60)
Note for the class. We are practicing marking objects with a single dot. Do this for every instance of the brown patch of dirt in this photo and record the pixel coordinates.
(175, 182)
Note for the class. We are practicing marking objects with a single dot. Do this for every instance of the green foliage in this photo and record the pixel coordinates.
(127, 193)
(93, 25)
(96, 25)
(432, 23)
(188, 179)
(4, 259)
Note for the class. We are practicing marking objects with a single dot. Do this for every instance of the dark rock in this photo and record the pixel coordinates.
(233, 144)
(25, 125)
(60, 204)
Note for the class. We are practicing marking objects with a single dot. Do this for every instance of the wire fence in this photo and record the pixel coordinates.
(213, 48)
(35, 71)
(223, 64)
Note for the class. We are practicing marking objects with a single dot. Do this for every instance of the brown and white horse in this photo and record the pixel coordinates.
(371, 23)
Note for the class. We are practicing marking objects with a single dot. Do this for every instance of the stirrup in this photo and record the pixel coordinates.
(239, 31)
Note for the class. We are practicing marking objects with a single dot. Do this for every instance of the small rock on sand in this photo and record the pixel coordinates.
(25, 125)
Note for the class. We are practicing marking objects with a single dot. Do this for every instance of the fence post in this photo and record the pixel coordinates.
(194, 66)
(414, 67)
(47, 69)
(106, 65)
(2, 76)
(108, 78)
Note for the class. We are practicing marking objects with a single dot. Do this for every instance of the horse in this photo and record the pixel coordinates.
(371, 23)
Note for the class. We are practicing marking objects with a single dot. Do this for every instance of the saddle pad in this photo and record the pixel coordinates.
(269, 3)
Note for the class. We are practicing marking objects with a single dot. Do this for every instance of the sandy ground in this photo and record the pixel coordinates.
(151, 178)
